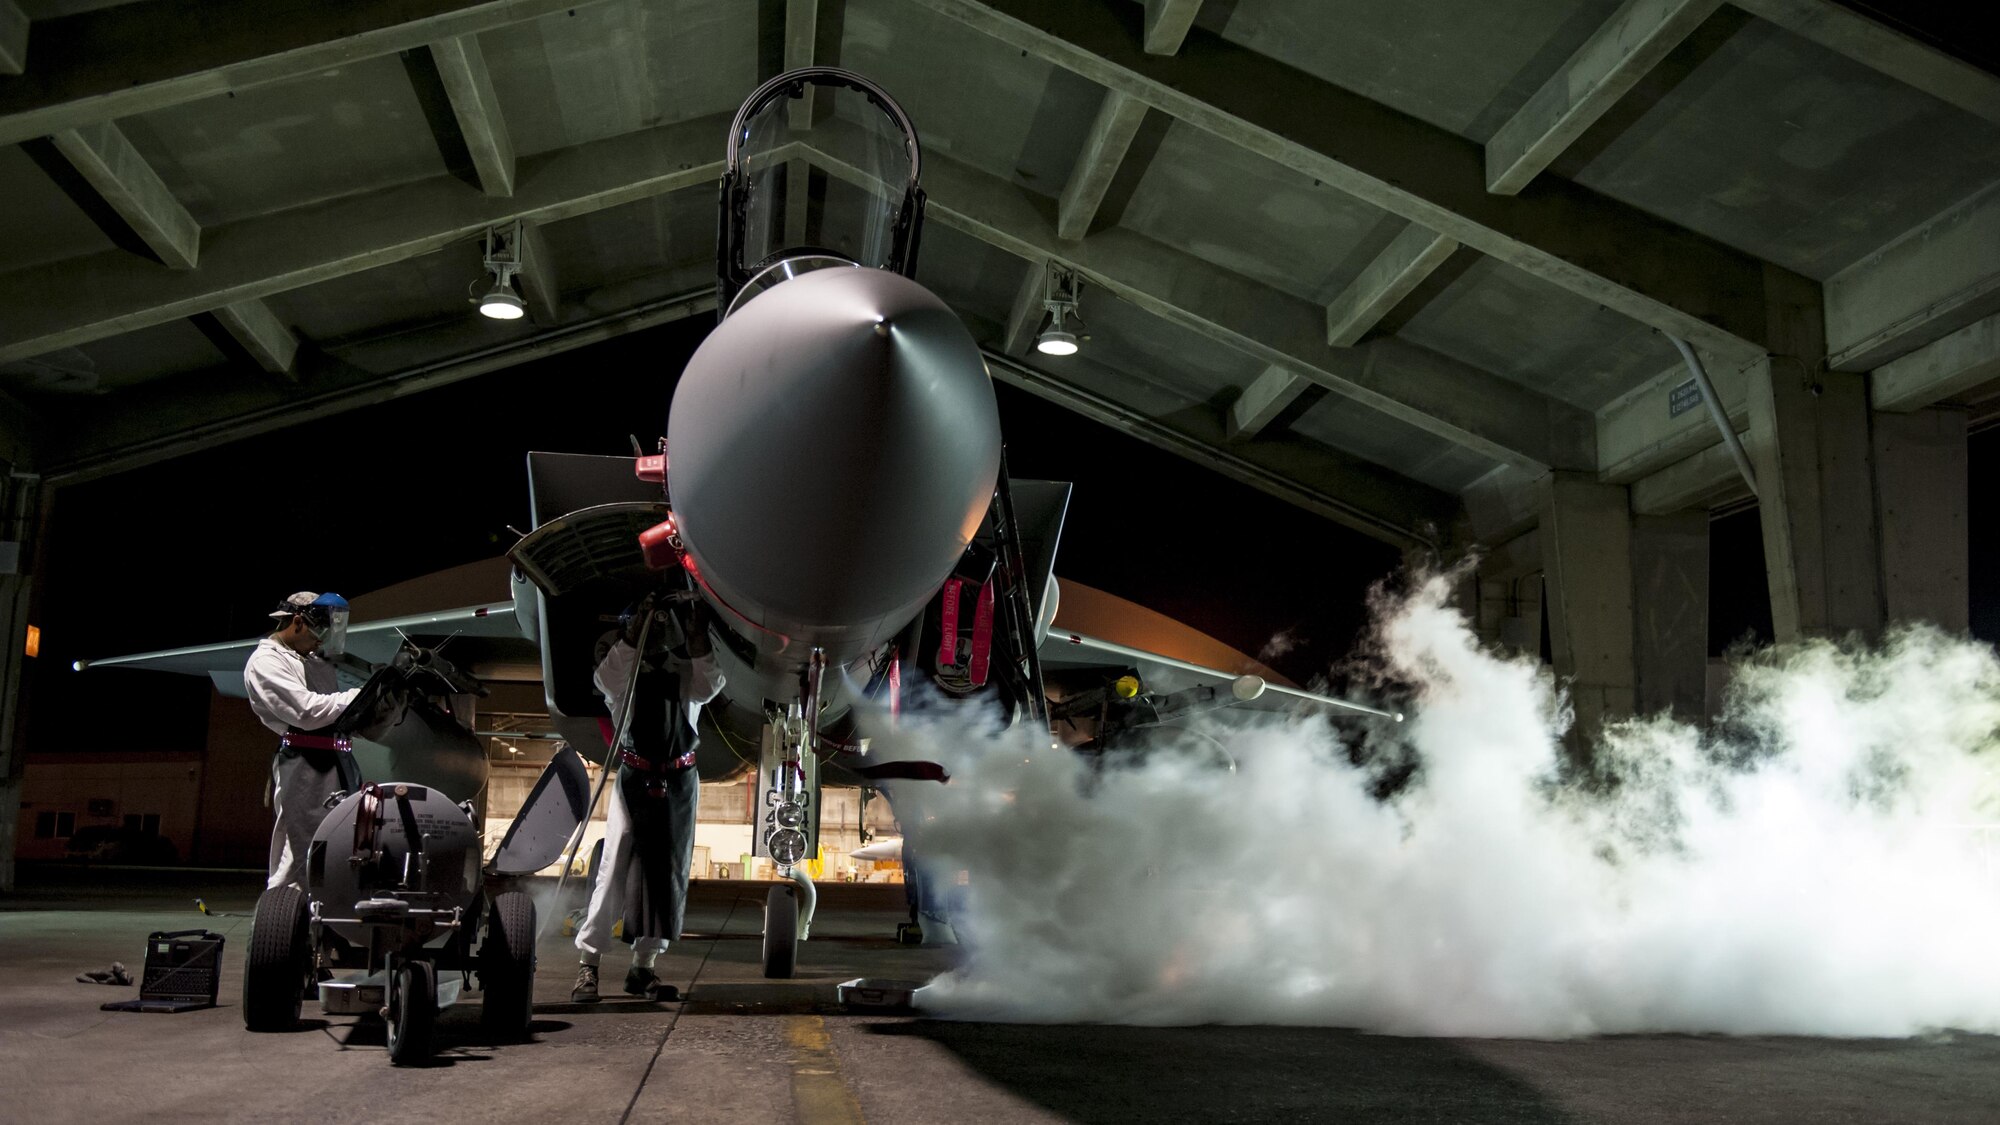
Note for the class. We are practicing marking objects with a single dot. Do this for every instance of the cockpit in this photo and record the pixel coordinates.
(823, 172)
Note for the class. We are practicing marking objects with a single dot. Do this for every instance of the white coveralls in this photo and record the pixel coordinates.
(701, 680)
(293, 692)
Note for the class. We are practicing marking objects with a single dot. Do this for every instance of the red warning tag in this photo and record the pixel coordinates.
(948, 626)
(982, 635)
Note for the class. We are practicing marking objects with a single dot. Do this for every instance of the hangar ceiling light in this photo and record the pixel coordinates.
(1062, 288)
(503, 262)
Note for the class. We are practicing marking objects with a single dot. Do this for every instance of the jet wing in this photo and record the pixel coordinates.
(373, 641)
(1157, 672)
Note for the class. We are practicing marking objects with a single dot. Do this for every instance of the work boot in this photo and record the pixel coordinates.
(641, 981)
(585, 991)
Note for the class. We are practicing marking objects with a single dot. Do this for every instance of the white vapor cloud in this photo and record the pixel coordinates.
(1815, 864)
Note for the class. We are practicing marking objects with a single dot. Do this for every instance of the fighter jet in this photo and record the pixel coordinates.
(832, 484)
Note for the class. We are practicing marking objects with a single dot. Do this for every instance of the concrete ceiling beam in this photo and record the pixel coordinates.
(798, 200)
(108, 63)
(1938, 371)
(1472, 408)
(1515, 559)
(1931, 281)
(1347, 491)
(122, 178)
(801, 48)
(1502, 505)
(1848, 32)
(1707, 479)
(1030, 306)
(1167, 23)
(153, 422)
(73, 302)
(13, 38)
(461, 65)
(1104, 150)
(1636, 37)
(270, 342)
(1638, 432)
(1396, 271)
(1262, 401)
(1596, 247)
(1497, 417)
(540, 287)
(801, 31)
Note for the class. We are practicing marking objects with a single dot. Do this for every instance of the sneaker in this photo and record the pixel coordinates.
(585, 991)
(641, 981)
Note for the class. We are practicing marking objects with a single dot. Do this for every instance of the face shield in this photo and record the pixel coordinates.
(333, 637)
(326, 619)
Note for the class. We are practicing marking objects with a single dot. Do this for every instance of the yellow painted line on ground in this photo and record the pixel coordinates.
(820, 1095)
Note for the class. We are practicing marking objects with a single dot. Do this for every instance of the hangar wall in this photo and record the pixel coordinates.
(235, 825)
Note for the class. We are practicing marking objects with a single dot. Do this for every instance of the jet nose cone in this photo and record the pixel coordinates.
(833, 446)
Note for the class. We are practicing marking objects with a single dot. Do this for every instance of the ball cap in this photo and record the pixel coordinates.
(305, 600)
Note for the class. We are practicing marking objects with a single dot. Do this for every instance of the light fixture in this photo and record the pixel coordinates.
(503, 262)
(1055, 339)
(502, 303)
(1059, 296)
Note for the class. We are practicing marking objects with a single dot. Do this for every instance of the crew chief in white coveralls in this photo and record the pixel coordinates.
(294, 692)
(642, 876)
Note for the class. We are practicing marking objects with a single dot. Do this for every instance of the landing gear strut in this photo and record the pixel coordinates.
(789, 830)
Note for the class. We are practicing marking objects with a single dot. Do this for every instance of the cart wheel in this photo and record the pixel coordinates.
(507, 967)
(278, 966)
(413, 1005)
(781, 932)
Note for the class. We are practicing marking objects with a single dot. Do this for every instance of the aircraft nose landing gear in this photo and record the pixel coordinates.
(788, 776)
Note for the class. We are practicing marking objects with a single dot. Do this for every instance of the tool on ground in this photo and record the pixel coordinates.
(117, 974)
(183, 968)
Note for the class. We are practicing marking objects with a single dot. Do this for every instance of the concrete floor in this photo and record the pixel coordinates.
(746, 1049)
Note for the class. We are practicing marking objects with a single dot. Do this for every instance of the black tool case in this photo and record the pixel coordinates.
(183, 969)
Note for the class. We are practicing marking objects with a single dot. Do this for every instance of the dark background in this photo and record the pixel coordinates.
(198, 549)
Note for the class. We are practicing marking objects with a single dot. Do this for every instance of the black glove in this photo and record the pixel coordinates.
(699, 619)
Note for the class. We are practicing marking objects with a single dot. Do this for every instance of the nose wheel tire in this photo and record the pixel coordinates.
(507, 968)
(413, 1000)
(278, 967)
(781, 932)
